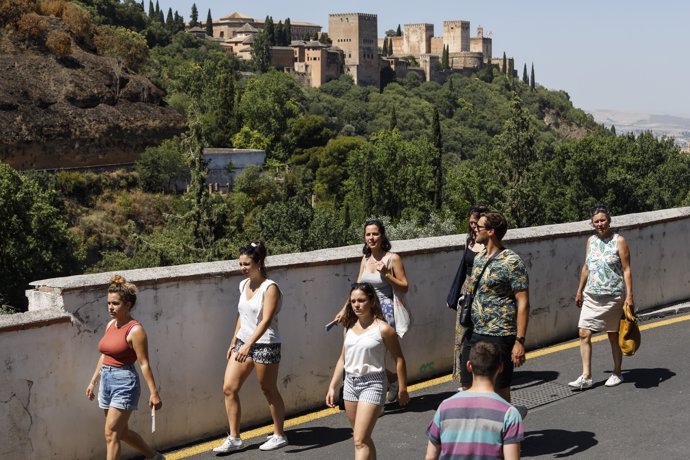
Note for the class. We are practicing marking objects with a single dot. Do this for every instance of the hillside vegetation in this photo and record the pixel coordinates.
(416, 154)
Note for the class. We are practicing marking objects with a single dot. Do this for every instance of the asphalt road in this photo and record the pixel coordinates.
(647, 416)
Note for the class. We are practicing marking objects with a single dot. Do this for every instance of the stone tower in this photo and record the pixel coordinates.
(357, 35)
(456, 36)
(417, 39)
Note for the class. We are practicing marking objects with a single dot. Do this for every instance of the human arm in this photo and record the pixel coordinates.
(511, 451)
(584, 273)
(522, 300)
(96, 375)
(341, 314)
(390, 340)
(335, 380)
(393, 273)
(269, 310)
(139, 342)
(233, 342)
(433, 451)
(624, 252)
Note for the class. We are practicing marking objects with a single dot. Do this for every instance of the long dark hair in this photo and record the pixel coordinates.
(350, 318)
(477, 211)
(257, 251)
(385, 242)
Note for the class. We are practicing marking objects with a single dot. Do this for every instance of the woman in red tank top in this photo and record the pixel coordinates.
(123, 343)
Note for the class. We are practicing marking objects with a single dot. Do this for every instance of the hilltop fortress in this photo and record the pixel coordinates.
(352, 46)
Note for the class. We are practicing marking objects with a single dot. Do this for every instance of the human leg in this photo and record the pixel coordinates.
(267, 375)
(116, 431)
(586, 352)
(236, 374)
(616, 352)
(364, 421)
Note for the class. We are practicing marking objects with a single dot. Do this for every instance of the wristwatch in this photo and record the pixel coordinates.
(520, 339)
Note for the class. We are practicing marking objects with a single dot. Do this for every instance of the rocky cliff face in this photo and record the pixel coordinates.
(80, 110)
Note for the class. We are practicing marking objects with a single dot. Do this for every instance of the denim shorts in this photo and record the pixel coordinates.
(369, 388)
(119, 388)
(261, 353)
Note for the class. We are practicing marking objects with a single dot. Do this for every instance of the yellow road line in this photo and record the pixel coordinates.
(264, 430)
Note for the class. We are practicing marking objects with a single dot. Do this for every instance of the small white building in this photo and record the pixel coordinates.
(224, 164)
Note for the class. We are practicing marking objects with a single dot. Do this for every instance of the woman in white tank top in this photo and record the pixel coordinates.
(255, 344)
(367, 337)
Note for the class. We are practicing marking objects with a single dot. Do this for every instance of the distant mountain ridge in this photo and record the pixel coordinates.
(637, 122)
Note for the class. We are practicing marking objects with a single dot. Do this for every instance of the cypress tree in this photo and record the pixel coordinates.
(445, 65)
(179, 22)
(158, 8)
(398, 33)
(280, 34)
(143, 8)
(152, 11)
(287, 27)
(438, 161)
(394, 119)
(505, 64)
(209, 24)
(532, 84)
(270, 31)
(194, 16)
(525, 78)
(161, 17)
(169, 20)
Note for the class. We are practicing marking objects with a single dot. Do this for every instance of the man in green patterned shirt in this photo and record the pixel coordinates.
(501, 301)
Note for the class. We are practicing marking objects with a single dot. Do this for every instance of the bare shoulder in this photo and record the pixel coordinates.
(386, 330)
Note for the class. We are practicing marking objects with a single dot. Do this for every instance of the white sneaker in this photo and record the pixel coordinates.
(392, 395)
(581, 383)
(614, 380)
(229, 445)
(274, 442)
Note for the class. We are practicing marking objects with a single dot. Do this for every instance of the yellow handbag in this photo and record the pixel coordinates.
(629, 337)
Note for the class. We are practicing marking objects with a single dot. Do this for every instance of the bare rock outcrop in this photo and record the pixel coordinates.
(78, 110)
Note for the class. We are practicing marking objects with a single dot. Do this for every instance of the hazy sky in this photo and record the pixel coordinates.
(625, 55)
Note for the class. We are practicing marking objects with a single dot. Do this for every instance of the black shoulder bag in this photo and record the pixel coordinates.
(468, 298)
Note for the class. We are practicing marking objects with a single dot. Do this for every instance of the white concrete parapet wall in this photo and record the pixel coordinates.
(49, 353)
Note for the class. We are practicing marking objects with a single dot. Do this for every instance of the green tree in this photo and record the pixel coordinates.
(169, 20)
(532, 83)
(398, 175)
(209, 24)
(36, 243)
(163, 168)
(193, 16)
(438, 160)
(398, 32)
(269, 29)
(261, 52)
(267, 105)
(280, 34)
(288, 31)
(152, 11)
(525, 78)
(504, 69)
(445, 58)
(332, 170)
(197, 194)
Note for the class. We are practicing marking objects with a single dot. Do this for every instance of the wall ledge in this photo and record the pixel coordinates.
(33, 319)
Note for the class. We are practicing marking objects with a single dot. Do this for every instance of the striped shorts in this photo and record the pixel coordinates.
(369, 388)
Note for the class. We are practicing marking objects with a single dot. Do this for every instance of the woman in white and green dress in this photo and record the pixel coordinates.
(605, 284)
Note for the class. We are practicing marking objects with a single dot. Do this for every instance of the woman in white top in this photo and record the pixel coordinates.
(385, 271)
(255, 345)
(366, 339)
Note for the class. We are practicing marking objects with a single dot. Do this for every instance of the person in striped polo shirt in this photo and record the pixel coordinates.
(476, 423)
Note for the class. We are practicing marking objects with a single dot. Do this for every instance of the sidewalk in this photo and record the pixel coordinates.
(645, 417)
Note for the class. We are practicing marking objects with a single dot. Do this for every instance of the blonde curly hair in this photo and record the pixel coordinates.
(126, 290)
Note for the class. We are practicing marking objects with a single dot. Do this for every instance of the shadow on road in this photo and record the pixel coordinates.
(647, 378)
(423, 403)
(303, 439)
(559, 443)
(526, 379)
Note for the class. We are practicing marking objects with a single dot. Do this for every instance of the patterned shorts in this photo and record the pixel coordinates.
(367, 388)
(262, 353)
